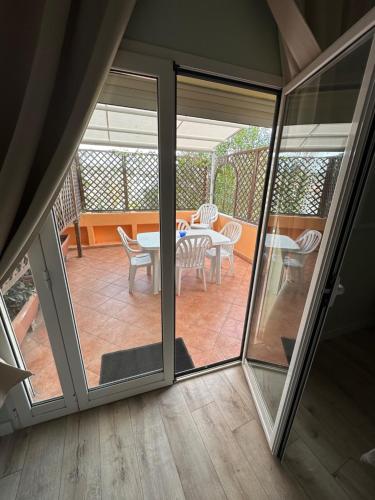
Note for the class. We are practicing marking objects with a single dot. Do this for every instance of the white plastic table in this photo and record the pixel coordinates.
(150, 242)
(278, 244)
(280, 241)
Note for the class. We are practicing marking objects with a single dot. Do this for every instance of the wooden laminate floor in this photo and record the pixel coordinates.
(199, 439)
(335, 422)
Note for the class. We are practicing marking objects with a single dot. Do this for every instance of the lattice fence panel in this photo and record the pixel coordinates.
(112, 181)
(244, 198)
(101, 177)
(225, 188)
(192, 180)
(257, 195)
(68, 205)
(142, 181)
(304, 185)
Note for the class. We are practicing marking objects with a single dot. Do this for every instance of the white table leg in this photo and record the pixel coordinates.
(218, 265)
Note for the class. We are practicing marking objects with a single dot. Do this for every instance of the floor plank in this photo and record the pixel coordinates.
(159, 476)
(119, 464)
(80, 476)
(274, 479)
(235, 473)
(9, 486)
(235, 411)
(357, 479)
(314, 478)
(310, 429)
(196, 393)
(196, 440)
(40, 478)
(198, 476)
(237, 380)
(13, 451)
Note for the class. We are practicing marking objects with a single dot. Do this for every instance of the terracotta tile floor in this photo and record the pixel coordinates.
(110, 319)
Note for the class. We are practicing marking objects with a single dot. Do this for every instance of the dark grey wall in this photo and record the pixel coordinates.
(239, 32)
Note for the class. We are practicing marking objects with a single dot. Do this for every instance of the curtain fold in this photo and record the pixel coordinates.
(57, 55)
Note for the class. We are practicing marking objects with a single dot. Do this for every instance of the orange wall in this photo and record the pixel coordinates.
(246, 246)
(100, 228)
(286, 224)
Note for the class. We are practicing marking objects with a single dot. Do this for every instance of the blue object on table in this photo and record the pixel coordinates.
(182, 234)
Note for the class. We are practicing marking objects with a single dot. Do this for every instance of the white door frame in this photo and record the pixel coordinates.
(23, 411)
(348, 170)
(164, 73)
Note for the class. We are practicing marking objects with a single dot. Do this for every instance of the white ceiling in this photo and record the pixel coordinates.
(129, 127)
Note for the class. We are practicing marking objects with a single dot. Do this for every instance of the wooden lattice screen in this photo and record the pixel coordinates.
(303, 185)
(124, 181)
(67, 206)
(239, 183)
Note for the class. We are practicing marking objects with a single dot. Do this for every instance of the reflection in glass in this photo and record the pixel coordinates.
(22, 303)
(317, 122)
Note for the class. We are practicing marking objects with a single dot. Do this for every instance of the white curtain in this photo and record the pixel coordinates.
(55, 55)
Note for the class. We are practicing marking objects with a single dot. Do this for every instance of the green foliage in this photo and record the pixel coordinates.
(225, 187)
(246, 138)
(17, 296)
(192, 179)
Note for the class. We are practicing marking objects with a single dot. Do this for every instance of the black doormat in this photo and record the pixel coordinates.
(288, 345)
(139, 360)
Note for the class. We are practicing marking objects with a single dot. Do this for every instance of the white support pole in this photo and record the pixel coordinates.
(212, 176)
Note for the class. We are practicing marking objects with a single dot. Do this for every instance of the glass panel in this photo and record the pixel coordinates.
(317, 120)
(338, 402)
(115, 285)
(222, 157)
(30, 332)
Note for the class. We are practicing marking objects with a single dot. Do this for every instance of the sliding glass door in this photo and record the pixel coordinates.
(96, 324)
(114, 300)
(311, 179)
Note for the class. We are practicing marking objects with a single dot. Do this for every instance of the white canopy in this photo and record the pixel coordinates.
(129, 127)
(315, 137)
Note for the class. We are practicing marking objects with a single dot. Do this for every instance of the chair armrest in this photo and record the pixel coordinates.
(194, 217)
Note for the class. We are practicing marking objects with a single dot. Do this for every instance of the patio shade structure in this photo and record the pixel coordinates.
(116, 126)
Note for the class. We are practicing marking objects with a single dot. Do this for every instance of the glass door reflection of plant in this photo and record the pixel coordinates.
(24, 310)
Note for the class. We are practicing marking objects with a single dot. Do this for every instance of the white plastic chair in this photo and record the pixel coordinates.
(308, 241)
(207, 214)
(182, 225)
(190, 254)
(233, 231)
(137, 258)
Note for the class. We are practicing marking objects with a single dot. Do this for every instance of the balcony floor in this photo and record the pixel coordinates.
(110, 319)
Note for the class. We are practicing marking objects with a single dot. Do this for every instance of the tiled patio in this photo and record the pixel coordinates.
(110, 319)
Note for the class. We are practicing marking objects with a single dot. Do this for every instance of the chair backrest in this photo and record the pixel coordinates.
(233, 231)
(182, 225)
(191, 251)
(308, 241)
(208, 213)
(125, 242)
